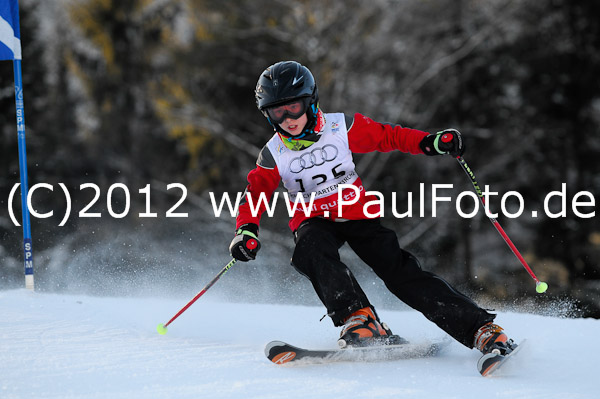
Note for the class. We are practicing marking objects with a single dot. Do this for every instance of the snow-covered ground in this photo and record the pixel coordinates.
(72, 346)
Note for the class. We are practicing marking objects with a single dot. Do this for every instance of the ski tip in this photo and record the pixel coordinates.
(488, 363)
(273, 344)
(279, 352)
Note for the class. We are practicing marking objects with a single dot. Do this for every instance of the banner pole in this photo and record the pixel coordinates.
(27, 245)
(10, 49)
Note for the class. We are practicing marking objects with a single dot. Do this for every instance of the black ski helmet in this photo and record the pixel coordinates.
(283, 82)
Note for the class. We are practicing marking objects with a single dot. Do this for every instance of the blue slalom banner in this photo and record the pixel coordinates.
(10, 33)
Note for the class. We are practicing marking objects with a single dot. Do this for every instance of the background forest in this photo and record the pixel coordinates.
(153, 92)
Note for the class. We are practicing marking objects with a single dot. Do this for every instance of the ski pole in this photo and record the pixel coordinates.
(540, 286)
(162, 328)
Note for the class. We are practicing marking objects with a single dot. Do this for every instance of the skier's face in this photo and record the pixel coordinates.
(294, 126)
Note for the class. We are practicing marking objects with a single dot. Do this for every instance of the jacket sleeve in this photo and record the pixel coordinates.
(262, 179)
(366, 135)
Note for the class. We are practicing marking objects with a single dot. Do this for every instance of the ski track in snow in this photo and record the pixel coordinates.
(75, 346)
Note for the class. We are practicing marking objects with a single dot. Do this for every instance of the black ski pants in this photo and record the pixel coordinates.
(316, 256)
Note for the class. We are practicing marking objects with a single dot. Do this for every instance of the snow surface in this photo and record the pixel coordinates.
(72, 346)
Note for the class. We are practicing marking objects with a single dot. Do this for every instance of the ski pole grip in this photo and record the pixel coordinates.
(251, 244)
(447, 137)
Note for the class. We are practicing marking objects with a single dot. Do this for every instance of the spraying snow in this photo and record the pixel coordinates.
(71, 346)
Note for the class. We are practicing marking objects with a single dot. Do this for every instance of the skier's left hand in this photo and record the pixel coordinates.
(447, 141)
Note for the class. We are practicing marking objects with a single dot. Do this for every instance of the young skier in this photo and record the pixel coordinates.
(311, 153)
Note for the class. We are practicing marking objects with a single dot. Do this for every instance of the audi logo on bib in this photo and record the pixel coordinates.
(316, 157)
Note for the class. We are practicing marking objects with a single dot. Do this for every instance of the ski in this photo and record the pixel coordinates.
(283, 353)
(490, 363)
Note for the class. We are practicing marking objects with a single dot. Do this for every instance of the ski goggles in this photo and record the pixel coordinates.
(293, 110)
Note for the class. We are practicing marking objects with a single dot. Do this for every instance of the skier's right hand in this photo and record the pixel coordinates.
(245, 244)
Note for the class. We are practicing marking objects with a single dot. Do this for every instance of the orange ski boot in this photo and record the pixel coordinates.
(490, 338)
(363, 328)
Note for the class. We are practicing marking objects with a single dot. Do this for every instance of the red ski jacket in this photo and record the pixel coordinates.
(359, 135)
